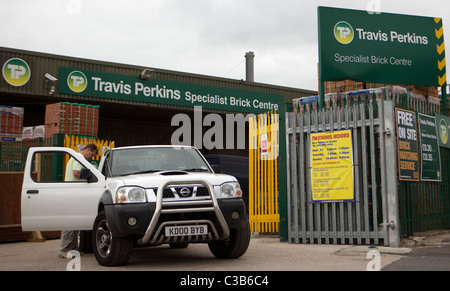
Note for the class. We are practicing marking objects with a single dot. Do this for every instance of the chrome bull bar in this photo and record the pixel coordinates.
(152, 236)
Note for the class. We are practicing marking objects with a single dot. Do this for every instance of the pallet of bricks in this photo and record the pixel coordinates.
(350, 85)
(71, 119)
(11, 123)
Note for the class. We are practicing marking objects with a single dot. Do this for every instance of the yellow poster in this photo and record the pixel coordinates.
(332, 166)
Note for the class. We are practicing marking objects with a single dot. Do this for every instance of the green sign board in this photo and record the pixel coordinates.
(132, 88)
(429, 145)
(380, 48)
(443, 129)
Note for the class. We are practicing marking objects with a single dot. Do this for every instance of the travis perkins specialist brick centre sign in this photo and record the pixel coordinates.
(380, 48)
(114, 86)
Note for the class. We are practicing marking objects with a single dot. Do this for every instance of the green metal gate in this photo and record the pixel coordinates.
(424, 205)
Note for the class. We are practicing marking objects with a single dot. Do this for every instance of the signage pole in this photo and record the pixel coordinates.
(321, 95)
(319, 67)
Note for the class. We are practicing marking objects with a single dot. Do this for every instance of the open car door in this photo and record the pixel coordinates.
(49, 202)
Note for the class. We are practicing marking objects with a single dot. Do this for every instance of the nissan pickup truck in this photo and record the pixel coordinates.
(138, 196)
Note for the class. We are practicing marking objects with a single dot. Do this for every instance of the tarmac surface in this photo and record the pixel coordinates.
(265, 253)
(430, 252)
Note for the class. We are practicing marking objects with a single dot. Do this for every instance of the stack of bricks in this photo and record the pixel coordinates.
(11, 122)
(350, 85)
(71, 119)
(424, 90)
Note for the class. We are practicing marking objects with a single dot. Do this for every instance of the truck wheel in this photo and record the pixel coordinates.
(109, 250)
(235, 246)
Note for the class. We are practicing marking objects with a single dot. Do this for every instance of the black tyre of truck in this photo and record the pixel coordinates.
(85, 242)
(235, 246)
(109, 250)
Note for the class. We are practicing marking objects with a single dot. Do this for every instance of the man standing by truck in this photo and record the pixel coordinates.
(69, 238)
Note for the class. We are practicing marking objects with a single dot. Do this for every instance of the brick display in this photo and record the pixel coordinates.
(11, 122)
(72, 119)
(350, 85)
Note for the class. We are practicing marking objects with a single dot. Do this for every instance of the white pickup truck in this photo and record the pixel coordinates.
(140, 195)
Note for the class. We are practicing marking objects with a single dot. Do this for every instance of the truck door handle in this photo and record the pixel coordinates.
(32, 191)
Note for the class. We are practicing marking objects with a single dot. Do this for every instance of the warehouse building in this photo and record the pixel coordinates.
(128, 104)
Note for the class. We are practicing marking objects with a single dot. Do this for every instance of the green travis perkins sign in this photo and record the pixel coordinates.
(132, 88)
(380, 48)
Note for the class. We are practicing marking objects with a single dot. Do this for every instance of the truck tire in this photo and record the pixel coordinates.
(109, 250)
(235, 246)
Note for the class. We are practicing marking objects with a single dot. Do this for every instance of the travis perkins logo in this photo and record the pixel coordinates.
(344, 34)
(16, 72)
(77, 81)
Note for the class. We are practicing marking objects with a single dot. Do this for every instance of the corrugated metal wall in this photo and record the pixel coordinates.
(127, 122)
(45, 63)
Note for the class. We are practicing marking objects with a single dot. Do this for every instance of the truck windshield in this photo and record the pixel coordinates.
(147, 160)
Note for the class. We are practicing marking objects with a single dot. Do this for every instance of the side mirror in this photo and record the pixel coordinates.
(85, 174)
(216, 168)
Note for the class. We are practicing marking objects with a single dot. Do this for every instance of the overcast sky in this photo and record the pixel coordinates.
(208, 37)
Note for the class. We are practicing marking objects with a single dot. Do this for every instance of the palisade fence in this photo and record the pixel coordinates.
(264, 216)
(338, 222)
(383, 207)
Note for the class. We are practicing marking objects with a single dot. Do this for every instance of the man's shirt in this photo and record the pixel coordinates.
(73, 165)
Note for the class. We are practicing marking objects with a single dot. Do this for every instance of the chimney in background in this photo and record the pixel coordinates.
(250, 69)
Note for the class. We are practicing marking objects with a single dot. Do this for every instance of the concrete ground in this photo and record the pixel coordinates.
(265, 253)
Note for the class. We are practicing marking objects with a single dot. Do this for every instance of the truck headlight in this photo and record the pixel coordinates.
(230, 190)
(130, 195)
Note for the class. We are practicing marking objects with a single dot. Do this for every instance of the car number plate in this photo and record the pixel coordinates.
(186, 230)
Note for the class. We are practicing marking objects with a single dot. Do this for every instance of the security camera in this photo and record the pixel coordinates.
(146, 74)
(50, 77)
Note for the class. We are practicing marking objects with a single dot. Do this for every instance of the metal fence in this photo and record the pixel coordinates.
(369, 218)
(384, 207)
(263, 173)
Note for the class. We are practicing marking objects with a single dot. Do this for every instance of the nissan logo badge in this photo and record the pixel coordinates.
(185, 192)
